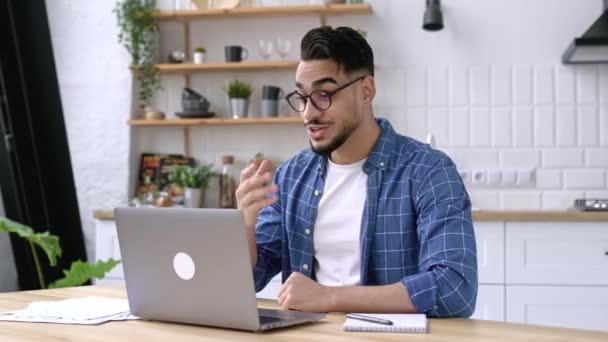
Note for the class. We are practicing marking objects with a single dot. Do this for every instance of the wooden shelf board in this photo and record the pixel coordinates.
(343, 9)
(215, 121)
(235, 66)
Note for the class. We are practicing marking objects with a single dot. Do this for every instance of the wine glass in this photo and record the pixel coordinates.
(283, 47)
(265, 48)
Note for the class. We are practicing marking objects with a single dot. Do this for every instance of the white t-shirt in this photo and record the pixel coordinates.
(337, 250)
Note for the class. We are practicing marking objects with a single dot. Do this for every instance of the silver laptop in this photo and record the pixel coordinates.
(193, 266)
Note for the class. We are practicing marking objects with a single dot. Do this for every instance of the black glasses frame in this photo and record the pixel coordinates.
(330, 94)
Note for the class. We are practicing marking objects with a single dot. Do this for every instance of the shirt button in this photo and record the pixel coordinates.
(305, 266)
(317, 192)
(381, 164)
(307, 231)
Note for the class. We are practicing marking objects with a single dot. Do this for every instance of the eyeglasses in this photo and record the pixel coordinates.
(321, 99)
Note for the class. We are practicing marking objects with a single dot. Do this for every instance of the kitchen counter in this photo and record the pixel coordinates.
(489, 215)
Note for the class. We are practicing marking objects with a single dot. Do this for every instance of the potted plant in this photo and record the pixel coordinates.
(200, 55)
(194, 180)
(80, 271)
(138, 32)
(238, 95)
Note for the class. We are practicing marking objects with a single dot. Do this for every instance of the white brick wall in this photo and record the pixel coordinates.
(492, 95)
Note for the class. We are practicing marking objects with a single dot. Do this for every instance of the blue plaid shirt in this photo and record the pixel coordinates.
(416, 225)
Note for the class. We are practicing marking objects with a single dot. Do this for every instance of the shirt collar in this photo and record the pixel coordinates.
(379, 156)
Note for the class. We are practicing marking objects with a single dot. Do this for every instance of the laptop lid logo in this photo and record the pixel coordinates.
(183, 265)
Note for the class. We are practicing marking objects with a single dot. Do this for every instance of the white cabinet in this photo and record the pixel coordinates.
(557, 274)
(562, 306)
(557, 253)
(490, 240)
(490, 303)
(106, 246)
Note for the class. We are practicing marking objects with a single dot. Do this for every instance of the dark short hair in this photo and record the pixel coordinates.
(343, 45)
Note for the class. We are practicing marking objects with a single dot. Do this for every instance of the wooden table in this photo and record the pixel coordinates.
(329, 329)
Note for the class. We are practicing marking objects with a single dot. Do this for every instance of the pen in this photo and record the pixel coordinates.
(369, 319)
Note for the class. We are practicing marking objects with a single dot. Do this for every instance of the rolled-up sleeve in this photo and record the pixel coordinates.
(269, 234)
(446, 284)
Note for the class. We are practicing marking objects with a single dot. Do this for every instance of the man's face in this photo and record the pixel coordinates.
(328, 129)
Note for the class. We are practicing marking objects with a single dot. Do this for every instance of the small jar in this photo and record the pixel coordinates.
(227, 183)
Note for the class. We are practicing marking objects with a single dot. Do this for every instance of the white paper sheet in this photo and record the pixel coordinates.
(88, 310)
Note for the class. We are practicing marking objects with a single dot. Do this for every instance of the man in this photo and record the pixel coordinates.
(366, 220)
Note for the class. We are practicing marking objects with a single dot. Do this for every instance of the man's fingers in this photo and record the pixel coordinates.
(258, 195)
(248, 171)
(265, 166)
(252, 184)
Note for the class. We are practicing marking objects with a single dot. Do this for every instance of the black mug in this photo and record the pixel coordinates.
(235, 53)
(271, 92)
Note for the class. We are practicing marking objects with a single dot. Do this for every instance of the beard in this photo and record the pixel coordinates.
(336, 142)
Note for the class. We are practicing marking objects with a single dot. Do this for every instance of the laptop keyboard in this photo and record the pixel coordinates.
(269, 319)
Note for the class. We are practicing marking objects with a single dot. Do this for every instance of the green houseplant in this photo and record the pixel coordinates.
(238, 94)
(193, 180)
(199, 55)
(139, 35)
(79, 272)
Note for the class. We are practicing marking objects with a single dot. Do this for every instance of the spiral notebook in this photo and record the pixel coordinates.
(408, 323)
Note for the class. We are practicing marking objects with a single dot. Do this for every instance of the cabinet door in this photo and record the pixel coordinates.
(564, 306)
(490, 240)
(557, 253)
(106, 246)
(490, 303)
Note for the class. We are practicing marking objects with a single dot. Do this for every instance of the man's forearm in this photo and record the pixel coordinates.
(386, 298)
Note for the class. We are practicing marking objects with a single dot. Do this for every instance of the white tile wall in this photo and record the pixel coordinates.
(596, 157)
(560, 199)
(603, 84)
(588, 124)
(522, 85)
(565, 85)
(501, 86)
(548, 179)
(586, 84)
(458, 85)
(584, 179)
(438, 86)
(501, 127)
(415, 86)
(566, 126)
(480, 127)
(604, 125)
(523, 127)
(484, 199)
(459, 127)
(543, 85)
(520, 158)
(562, 158)
(544, 126)
(439, 125)
(480, 85)
(514, 200)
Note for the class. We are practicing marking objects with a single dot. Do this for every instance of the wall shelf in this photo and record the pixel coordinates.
(214, 121)
(185, 68)
(340, 9)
